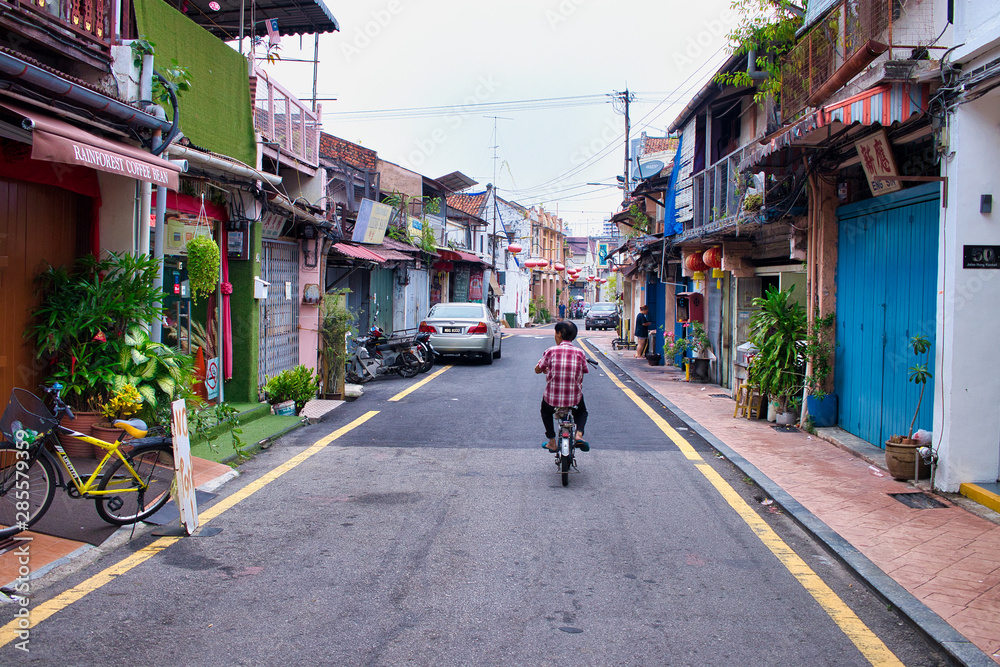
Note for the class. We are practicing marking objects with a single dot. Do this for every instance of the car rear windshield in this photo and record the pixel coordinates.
(456, 311)
(603, 308)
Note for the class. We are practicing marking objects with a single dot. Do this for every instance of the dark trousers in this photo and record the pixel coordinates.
(549, 412)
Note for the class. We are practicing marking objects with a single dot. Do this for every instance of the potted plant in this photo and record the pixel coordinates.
(694, 342)
(818, 350)
(901, 456)
(83, 312)
(203, 266)
(291, 389)
(778, 330)
(122, 404)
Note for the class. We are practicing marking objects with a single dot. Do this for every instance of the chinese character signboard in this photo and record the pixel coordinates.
(476, 285)
(878, 162)
(373, 218)
(602, 255)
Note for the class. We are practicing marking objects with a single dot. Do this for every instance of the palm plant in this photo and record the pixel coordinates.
(778, 330)
(158, 372)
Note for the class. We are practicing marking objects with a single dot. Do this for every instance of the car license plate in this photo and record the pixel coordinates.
(451, 329)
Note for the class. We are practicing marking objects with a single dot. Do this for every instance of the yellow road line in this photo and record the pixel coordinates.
(668, 430)
(9, 632)
(406, 392)
(874, 650)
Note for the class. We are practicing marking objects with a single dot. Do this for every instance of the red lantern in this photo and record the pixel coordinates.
(513, 248)
(694, 263)
(713, 257)
(541, 263)
(558, 267)
(590, 279)
(614, 269)
(530, 263)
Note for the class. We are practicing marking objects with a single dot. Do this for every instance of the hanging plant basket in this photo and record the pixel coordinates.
(203, 266)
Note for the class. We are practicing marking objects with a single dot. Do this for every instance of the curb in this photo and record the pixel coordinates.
(950, 640)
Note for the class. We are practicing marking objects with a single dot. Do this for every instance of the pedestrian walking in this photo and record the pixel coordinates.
(562, 311)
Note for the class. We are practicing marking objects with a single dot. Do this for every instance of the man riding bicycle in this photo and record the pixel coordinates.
(564, 365)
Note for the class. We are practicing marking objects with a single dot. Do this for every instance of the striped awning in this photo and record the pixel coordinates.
(886, 104)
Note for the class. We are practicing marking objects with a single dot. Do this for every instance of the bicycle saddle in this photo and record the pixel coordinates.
(134, 427)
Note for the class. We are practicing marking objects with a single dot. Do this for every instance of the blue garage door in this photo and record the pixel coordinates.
(886, 293)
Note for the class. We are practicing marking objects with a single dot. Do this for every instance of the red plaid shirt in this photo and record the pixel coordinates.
(564, 365)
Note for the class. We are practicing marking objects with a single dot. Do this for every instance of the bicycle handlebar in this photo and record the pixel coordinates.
(60, 405)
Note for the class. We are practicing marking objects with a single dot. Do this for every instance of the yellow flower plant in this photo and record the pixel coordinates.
(124, 403)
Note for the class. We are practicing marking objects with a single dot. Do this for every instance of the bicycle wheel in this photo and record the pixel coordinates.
(564, 464)
(132, 503)
(25, 494)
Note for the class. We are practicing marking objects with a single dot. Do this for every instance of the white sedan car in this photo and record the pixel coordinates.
(466, 329)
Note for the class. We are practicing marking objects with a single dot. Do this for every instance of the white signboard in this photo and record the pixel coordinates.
(373, 218)
(878, 161)
(185, 498)
(212, 378)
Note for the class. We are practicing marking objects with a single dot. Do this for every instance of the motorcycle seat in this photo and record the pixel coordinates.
(391, 346)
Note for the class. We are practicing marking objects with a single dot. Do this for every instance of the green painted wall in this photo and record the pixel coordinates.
(246, 323)
(216, 113)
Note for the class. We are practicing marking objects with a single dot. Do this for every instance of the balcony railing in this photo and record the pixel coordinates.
(853, 26)
(87, 19)
(286, 121)
(718, 191)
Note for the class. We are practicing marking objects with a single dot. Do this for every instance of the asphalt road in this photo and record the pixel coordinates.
(436, 532)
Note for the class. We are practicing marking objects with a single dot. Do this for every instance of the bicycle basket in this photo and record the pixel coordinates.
(29, 411)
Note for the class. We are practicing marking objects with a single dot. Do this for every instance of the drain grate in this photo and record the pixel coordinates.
(720, 396)
(920, 501)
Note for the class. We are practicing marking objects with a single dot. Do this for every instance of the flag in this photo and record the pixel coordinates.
(272, 31)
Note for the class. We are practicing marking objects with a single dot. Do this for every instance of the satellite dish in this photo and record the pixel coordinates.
(648, 169)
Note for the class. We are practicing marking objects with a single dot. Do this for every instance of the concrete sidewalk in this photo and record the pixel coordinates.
(940, 567)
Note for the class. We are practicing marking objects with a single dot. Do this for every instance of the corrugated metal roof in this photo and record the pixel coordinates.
(358, 252)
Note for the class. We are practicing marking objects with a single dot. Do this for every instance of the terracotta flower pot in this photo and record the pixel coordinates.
(901, 461)
(106, 432)
(83, 423)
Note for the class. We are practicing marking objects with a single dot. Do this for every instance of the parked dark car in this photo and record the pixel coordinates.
(602, 315)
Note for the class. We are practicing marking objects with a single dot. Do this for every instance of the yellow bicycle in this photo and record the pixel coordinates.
(132, 481)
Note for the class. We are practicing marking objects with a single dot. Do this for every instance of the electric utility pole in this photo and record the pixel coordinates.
(621, 102)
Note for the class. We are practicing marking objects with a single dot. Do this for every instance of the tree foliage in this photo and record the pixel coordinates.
(768, 28)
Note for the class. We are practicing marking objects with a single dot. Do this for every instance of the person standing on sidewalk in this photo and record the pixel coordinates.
(562, 311)
(641, 331)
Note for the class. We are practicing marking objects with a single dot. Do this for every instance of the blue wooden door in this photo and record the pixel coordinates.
(886, 293)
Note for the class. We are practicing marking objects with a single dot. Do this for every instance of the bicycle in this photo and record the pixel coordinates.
(566, 440)
(135, 486)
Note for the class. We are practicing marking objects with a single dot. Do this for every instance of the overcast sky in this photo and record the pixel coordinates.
(395, 54)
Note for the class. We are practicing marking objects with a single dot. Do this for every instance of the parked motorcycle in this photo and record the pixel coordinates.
(376, 355)
(424, 350)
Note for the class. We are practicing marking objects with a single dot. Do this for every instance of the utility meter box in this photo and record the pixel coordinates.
(690, 307)
(260, 288)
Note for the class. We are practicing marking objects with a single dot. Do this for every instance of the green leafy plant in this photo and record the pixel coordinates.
(83, 313)
(818, 351)
(778, 330)
(177, 76)
(538, 311)
(160, 374)
(642, 223)
(336, 321)
(766, 27)
(297, 384)
(208, 422)
(753, 202)
(694, 342)
(203, 266)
